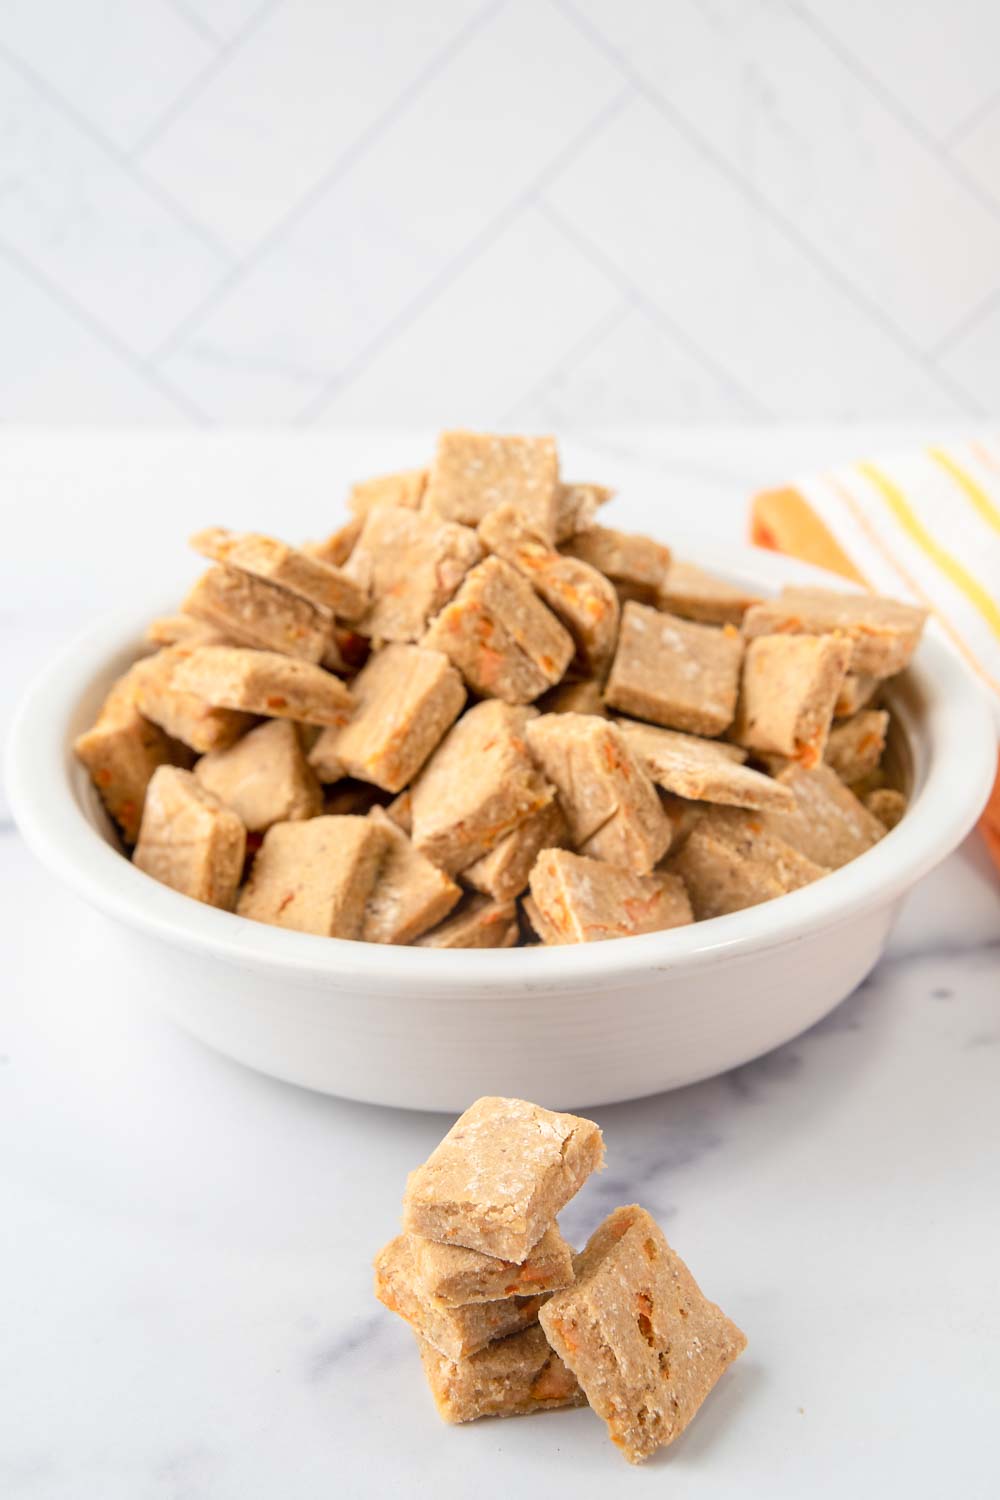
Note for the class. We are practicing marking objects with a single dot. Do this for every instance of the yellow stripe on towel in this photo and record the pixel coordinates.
(980, 500)
(940, 556)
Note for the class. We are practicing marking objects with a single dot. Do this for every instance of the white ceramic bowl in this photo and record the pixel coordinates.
(569, 1026)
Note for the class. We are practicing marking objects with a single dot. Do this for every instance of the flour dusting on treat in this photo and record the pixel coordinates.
(500, 1176)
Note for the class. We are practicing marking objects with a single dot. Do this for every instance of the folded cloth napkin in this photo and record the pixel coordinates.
(922, 526)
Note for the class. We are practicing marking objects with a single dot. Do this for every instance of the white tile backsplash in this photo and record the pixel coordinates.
(542, 212)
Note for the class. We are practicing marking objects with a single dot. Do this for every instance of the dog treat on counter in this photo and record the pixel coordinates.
(315, 876)
(579, 900)
(121, 753)
(855, 745)
(479, 784)
(183, 715)
(886, 804)
(264, 777)
(636, 565)
(675, 673)
(622, 1325)
(644, 1342)
(406, 698)
(883, 632)
(500, 1176)
(479, 675)
(263, 682)
(701, 770)
(410, 894)
(505, 642)
(479, 922)
(300, 573)
(409, 564)
(257, 613)
(732, 859)
(455, 1277)
(788, 691)
(455, 1332)
(607, 799)
(514, 1377)
(696, 595)
(472, 473)
(190, 840)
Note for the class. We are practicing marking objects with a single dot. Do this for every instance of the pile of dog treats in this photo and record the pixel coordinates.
(509, 1321)
(473, 717)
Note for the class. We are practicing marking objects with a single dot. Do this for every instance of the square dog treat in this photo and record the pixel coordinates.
(500, 1176)
(121, 753)
(478, 923)
(410, 564)
(574, 698)
(300, 573)
(479, 784)
(696, 595)
(856, 692)
(511, 1378)
(263, 682)
(854, 747)
(582, 900)
(583, 599)
(674, 672)
(410, 894)
(315, 876)
(635, 564)
(609, 803)
(883, 632)
(506, 643)
(474, 472)
(337, 547)
(404, 489)
(886, 804)
(184, 630)
(256, 613)
(504, 872)
(190, 840)
(828, 824)
(183, 715)
(576, 507)
(638, 1333)
(787, 694)
(454, 1277)
(456, 1332)
(264, 777)
(406, 699)
(732, 859)
(701, 770)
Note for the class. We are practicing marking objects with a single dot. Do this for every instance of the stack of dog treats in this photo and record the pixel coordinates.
(509, 1322)
(473, 717)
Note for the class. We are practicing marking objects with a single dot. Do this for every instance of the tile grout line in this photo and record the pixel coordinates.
(891, 104)
(105, 336)
(793, 235)
(466, 257)
(972, 121)
(652, 310)
(344, 163)
(967, 325)
(200, 81)
(114, 153)
(196, 22)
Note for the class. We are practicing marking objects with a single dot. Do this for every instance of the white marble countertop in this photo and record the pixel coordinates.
(185, 1246)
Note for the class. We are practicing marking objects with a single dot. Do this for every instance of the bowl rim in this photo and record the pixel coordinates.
(42, 780)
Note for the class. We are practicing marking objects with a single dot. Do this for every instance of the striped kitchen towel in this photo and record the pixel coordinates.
(922, 526)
